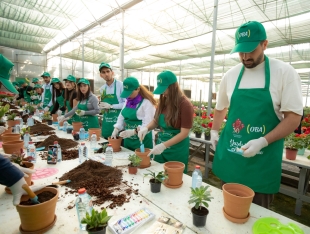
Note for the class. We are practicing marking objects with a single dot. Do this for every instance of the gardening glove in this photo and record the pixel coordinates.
(46, 109)
(127, 133)
(158, 149)
(34, 97)
(142, 133)
(214, 138)
(59, 112)
(254, 146)
(2, 129)
(81, 113)
(24, 169)
(114, 133)
(61, 118)
(104, 105)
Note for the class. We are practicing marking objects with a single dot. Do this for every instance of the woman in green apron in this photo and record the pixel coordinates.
(37, 97)
(174, 116)
(70, 97)
(58, 96)
(87, 107)
(138, 111)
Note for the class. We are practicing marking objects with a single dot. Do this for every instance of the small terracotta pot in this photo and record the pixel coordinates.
(116, 143)
(30, 166)
(237, 201)
(54, 116)
(12, 123)
(174, 170)
(8, 131)
(291, 154)
(61, 123)
(132, 170)
(12, 146)
(10, 137)
(77, 126)
(38, 218)
(95, 130)
(146, 160)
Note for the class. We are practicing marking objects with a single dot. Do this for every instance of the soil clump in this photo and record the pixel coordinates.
(63, 142)
(42, 197)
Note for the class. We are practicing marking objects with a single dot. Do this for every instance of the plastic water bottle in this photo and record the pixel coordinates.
(32, 152)
(108, 155)
(65, 126)
(93, 141)
(30, 121)
(83, 153)
(26, 140)
(196, 177)
(59, 154)
(82, 134)
(83, 204)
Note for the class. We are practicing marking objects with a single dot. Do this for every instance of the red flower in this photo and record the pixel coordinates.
(203, 117)
(204, 125)
(211, 115)
(210, 125)
(306, 119)
(194, 115)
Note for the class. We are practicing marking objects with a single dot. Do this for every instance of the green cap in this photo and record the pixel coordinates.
(15, 83)
(35, 80)
(6, 67)
(70, 78)
(104, 65)
(45, 74)
(248, 36)
(164, 79)
(37, 86)
(84, 81)
(21, 82)
(55, 80)
(130, 84)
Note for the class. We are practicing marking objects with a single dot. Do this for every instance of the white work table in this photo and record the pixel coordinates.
(169, 202)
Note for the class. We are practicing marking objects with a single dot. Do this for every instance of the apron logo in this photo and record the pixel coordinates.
(237, 126)
(256, 129)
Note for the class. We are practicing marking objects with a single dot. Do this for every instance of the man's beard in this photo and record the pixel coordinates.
(254, 63)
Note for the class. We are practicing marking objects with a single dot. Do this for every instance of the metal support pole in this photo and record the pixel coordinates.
(122, 48)
(60, 64)
(83, 55)
(16, 65)
(307, 91)
(212, 55)
(200, 102)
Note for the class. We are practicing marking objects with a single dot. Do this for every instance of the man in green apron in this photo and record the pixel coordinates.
(249, 150)
(47, 92)
(111, 102)
(26, 90)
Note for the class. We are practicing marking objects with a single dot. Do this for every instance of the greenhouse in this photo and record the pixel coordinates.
(104, 101)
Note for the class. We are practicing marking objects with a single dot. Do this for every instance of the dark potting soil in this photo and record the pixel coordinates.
(25, 117)
(63, 142)
(42, 197)
(40, 128)
(100, 182)
(66, 154)
(43, 133)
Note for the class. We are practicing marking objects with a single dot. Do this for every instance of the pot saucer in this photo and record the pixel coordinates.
(173, 186)
(235, 220)
(43, 230)
(144, 166)
(8, 190)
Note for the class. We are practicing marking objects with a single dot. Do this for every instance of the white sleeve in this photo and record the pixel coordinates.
(146, 112)
(222, 97)
(51, 101)
(120, 120)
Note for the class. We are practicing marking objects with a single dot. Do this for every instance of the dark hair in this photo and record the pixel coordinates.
(80, 95)
(70, 98)
(57, 92)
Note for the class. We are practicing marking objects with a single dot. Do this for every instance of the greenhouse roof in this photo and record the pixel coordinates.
(159, 34)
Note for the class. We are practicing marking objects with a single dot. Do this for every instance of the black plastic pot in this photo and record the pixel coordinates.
(155, 187)
(50, 122)
(76, 137)
(198, 135)
(200, 216)
(103, 231)
(69, 130)
(208, 137)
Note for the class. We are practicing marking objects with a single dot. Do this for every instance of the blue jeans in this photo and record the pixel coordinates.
(9, 174)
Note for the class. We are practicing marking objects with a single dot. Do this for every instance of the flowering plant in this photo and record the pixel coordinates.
(297, 141)
(207, 128)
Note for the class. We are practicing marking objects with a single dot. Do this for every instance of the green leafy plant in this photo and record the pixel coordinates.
(30, 108)
(11, 116)
(24, 130)
(197, 128)
(96, 220)
(105, 95)
(47, 116)
(158, 177)
(297, 141)
(32, 93)
(4, 109)
(134, 160)
(200, 196)
(78, 111)
(18, 157)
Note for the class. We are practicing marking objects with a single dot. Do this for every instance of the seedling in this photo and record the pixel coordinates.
(200, 196)
(134, 160)
(159, 177)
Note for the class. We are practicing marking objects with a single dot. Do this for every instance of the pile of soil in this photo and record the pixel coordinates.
(40, 128)
(25, 117)
(12, 106)
(63, 142)
(42, 197)
(66, 154)
(43, 133)
(100, 181)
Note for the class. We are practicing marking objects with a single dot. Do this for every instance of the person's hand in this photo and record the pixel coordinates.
(158, 149)
(254, 146)
(114, 133)
(142, 133)
(104, 105)
(61, 118)
(34, 97)
(127, 133)
(214, 138)
(24, 169)
(81, 113)
(46, 109)
(2, 129)
(59, 112)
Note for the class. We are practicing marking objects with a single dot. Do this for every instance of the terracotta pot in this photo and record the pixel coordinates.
(116, 143)
(30, 166)
(9, 130)
(12, 146)
(291, 154)
(54, 116)
(61, 123)
(237, 202)
(174, 170)
(95, 130)
(12, 123)
(146, 160)
(132, 170)
(10, 137)
(77, 126)
(38, 218)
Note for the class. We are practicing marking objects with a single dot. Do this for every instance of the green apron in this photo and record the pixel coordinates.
(132, 122)
(47, 97)
(178, 152)
(26, 95)
(251, 115)
(36, 101)
(61, 101)
(75, 117)
(110, 116)
(89, 121)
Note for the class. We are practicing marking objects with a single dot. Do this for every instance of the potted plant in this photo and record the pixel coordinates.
(3, 111)
(197, 129)
(207, 131)
(30, 109)
(11, 121)
(293, 142)
(103, 96)
(96, 223)
(156, 180)
(200, 197)
(46, 117)
(134, 163)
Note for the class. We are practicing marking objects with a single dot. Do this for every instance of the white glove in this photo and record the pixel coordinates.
(254, 146)
(127, 133)
(59, 112)
(81, 113)
(61, 118)
(158, 149)
(34, 97)
(104, 105)
(142, 133)
(214, 138)
(2, 129)
(114, 133)
(46, 109)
